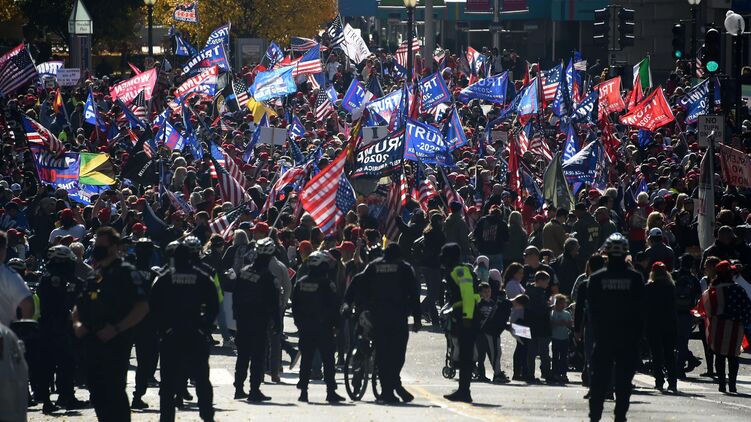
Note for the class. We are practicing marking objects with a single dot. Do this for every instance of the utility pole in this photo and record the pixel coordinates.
(429, 34)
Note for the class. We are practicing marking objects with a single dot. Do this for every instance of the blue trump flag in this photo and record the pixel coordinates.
(355, 96)
(425, 143)
(571, 146)
(206, 58)
(273, 84)
(582, 167)
(385, 106)
(433, 91)
(183, 47)
(492, 89)
(296, 128)
(90, 114)
(453, 132)
(219, 35)
(274, 55)
(528, 103)
(695, 101)
(170, 137)
(374, 86)
(248, 154)
(587, 107)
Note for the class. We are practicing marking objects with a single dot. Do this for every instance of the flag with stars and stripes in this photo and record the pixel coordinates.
(550, 81)
(336, 32)
(225, 221)
(393, 206)
(229, 189)
(240, 89)
(291, 177)
(403, 189)
(329, 195)
(300, 44)
(324, 108)
(402, 52)
(39, 137)
(16, 71)
(138, 106)
(309, 63)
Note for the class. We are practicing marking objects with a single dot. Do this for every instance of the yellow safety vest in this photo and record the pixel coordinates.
(462, 276)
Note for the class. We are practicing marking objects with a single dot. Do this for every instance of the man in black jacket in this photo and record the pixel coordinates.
(491, 234)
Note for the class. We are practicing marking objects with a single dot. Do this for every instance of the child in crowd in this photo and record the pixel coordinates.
(518, 305)
(482, 264)
(561, 322)
(493, 314)
(512, 280)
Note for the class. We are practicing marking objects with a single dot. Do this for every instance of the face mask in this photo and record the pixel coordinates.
(100, 252)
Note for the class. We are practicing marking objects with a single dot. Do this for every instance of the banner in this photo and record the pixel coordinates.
(380, 158)
(68, 77)
(218, 36)
(555, 188)
(582, 167)
(433, 91)
(651, 113)
(203, 83)
(425, 143)
(65, 178)
(128, 89)
(355, 96)
(736, 166)
(385, 106)
(583, 110)
(491, 89)
(170, 137)
(610, 100)
(354, 46)
(187, 12)
(49, 68)
(273, 84)
(209, 56)
(695, 101)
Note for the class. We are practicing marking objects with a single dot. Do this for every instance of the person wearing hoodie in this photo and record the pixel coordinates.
(456, 229)
(567, 266)
(491, 235)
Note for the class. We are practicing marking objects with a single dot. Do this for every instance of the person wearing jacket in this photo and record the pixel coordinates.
(491, 235)
(410, 232)
(517, 240)
(661, 325)
(427, 250)
(493, 314)
(554, 234)
(456, 229)
(567, 266)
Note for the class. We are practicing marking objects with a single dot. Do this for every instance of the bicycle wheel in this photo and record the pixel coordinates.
(374, 379)
(356, 374)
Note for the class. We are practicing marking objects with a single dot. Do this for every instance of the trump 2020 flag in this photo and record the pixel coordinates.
(529, 100)
(219, 35)
(453, 132)
(170, 137)
(355, 96)
(585, 109)
(214, 55)
(582, 167)
(183, 47)
(433, 91)
(425, 143)
(571, 146)
(695, 101)
(492, 89)
(90, 114)
(296, 128)
(273, 84)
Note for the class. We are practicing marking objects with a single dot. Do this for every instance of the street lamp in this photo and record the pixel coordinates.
(150, 10)
(694, 24)
(735, 25)
(410, 5)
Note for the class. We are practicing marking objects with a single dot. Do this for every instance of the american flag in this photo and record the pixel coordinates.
(439, 55)
(235, 171)
(401, 53)
(336, 32)
(451, 194)
(539, 146)
(300, 44)
(329, 195)
(240, 89)
(310, 63)
(138, 106)
(17, 71)
(523, 141)
(390, 229)
(229, 188)
(324, 109)
(550, 81)
(403, 189)
(727, 308)
(292, 176)
(698, 65)
(225, 222)
(38, 135)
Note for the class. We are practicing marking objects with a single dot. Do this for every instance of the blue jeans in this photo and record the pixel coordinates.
(496, 261)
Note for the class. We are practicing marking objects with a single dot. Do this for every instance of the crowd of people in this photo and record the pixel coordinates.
(616, 277)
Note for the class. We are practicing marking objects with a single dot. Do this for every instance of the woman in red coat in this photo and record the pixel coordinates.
(727, 310)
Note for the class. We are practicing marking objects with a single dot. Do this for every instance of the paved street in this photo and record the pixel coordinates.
(699, 399)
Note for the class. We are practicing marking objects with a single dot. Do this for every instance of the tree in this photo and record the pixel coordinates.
(275, 20)
(9, 10)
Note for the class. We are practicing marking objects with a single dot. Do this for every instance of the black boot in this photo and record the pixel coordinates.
(256, 396)
(240, 394)
(303, 396)
(138, 403)
(404, 394)
(459, 396)
(332, 397)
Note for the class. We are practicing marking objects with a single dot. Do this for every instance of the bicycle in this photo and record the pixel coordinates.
(360, 366)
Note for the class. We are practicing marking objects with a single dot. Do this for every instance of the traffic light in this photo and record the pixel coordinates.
(602, 26)
(626, 27)
(679, 40)
(710, 57)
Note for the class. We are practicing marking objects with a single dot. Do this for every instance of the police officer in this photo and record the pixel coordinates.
(613, 295)
(57, 290)
(183, 306)
(146, 339)
(461, 293)
(315, 307)
(112, 302)
(255, 305)
(392, 292)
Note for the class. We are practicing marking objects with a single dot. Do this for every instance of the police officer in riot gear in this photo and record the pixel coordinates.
(255, 305)
(183, 306)
(112, 302)
(315, 308)
(614, 295)
(57, 290)
(461, 293)
(392, 293)
(146, 338)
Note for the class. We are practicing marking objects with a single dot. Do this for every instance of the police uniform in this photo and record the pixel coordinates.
(183, 307)
(56, 293)
(255, 303)
(109, 295)
(392, 292)
(461, 292)
(614, 297)
(315, 308)
(146, 341)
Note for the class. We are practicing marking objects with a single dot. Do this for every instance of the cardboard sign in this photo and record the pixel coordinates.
(373, 133)
(68, 77)
(736, 166)
(273, 135)
(707, 124)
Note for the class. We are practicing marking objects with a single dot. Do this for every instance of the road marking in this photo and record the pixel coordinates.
(649, 381)
(462, 409)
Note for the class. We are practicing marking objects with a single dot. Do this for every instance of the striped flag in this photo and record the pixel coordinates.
(138, 106)
(698, 65)
(523, 140)
(403, 189)
(324, 108)
(401, 53)
(240, 88)
(235, 171)
(390, 229)
(38, 135)
(292, 176)
(225, 222)
(550, 81)
(17, 70)
(329, 195)
(300, 44)
(310, 63)
(229, 188)
(451, 194)
(336, 32)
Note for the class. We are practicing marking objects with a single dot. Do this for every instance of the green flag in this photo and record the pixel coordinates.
(96, 169)
(644, 72)
(556, 190)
